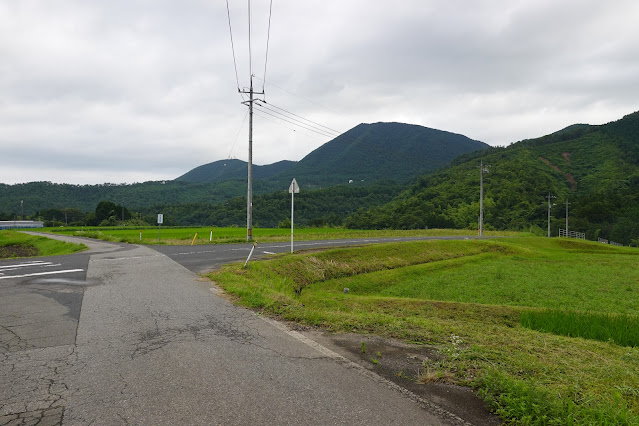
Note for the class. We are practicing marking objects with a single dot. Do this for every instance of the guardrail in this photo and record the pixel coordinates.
(612, 243)
(572, 234)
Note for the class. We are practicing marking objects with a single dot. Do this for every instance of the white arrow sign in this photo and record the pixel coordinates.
(294, 188)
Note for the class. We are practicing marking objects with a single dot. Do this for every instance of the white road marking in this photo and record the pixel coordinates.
(268, 252)
(42, 273)
(24, 265)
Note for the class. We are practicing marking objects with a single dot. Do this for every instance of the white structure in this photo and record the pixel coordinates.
(20, 224)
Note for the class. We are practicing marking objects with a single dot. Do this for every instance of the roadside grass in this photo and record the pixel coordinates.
(185, 236)
(468, 299)
(620, 329)
(16, 244)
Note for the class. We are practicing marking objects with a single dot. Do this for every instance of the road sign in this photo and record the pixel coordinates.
(294, 188)
(160, 218)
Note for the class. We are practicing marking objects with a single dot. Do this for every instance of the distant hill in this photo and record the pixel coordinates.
(222, 170)
(595, 167)
(368, 152)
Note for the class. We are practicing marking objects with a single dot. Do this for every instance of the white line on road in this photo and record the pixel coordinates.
(268, 252)
(42, 273)
(24, 265)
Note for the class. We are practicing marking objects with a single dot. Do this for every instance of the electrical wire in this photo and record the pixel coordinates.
(228, 14)
(249, 41)
(238, 134)
(300, 123)
(268, 37)
(259, 113)
(312, 123)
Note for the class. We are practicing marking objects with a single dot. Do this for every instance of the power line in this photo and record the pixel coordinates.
(238, 133)
(279, 123)
(249, 40)
(315, 126)
(228, 14)
(298, 124)
(305, 119)
(268, 37)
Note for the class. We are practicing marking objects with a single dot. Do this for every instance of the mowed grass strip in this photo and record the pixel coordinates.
(186, 235)
(467, 299)
(16, 244)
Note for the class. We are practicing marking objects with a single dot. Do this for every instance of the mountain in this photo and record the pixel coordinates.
(380, 152)
(368, 152)
(595, 168)
(222, 170)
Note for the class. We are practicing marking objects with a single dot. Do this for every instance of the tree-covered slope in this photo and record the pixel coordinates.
(594, 167)
(380, 152)
(222, 170)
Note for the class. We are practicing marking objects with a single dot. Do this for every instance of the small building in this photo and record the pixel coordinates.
(20, 224)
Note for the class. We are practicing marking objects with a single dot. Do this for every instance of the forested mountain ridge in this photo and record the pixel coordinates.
(380, 152)
(368, 154)
(595, 167)
(221, 170)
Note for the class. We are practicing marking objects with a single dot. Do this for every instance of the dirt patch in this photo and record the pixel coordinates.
(402, 364)
(18, 250)
(569, 177)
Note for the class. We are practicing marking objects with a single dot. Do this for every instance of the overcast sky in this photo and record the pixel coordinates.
(135, 90)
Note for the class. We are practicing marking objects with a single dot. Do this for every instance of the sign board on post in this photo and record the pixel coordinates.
(160, 220)
(293, 189)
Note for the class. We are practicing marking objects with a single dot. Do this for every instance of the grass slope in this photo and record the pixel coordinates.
(467, 298)
(15, 244)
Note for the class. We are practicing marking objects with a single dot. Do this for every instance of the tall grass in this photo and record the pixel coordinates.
(620, 329)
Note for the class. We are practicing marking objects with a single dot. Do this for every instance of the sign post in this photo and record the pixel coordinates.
(293, 189)
(160, 220)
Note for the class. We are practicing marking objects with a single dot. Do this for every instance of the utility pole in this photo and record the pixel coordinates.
(482, 170)
(567, 203)
(249, 192)
(549, 207)
(21, 209)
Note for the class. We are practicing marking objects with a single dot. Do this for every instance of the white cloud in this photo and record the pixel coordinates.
(138, 90)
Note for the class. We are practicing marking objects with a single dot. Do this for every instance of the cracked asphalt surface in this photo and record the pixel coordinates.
(153, 344)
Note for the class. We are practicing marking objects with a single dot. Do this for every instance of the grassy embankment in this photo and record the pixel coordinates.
(15, 244)
(181, 236)
(474, 301)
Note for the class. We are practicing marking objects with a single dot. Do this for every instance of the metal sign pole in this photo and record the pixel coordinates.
(293, 189)
(292, 202)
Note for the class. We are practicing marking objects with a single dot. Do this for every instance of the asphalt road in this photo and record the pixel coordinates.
(127, 335)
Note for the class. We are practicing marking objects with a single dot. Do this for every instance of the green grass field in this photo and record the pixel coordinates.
(473, 300)
(181, 236)
(15, 244)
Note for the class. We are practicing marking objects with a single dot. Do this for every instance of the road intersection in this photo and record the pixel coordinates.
(126, 334)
